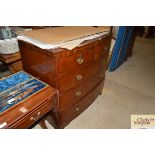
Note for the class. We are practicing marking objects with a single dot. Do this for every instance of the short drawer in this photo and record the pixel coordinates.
(102, 48)
(83, 57)
(76, 78)
(77, 109)
(72, 96)
(33, 116)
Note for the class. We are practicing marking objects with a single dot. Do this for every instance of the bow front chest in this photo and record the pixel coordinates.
(78, 74)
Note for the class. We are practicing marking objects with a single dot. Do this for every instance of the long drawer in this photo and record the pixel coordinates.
(83, 57)
(70, 97)
(33, 116)
(72, 112)
(78, 77)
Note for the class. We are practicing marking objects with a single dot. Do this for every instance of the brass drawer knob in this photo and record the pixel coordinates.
(105, 48)
(105, 62)
(78, 93)
(79, 60)
(79, 77)
(35, 118)
(77, 109)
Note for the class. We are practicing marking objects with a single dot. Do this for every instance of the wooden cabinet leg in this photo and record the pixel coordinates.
(43, 124)
(52, 119)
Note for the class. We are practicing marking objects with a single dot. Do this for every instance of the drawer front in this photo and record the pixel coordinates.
(20, 110)
(72, 96)
(68, 115)
(33, 116)
(102, 47)
(76, 78)
(83, 58)
(104, 59)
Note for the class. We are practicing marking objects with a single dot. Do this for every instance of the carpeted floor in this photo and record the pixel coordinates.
(129, 90)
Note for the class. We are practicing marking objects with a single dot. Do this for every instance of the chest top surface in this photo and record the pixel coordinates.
(67, 37)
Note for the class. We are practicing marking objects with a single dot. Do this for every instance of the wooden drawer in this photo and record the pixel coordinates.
(76, 78)
(83, 57)
(75, 110)
(102, 48)
(33, 116)
(70, 97)
(104, 59)
(22, 109)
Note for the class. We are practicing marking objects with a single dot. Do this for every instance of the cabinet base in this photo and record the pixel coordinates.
(62, 119)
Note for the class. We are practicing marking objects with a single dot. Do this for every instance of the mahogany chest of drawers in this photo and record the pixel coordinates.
(78, 74)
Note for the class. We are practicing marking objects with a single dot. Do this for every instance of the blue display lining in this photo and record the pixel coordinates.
(22, 85)
(13, 80)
